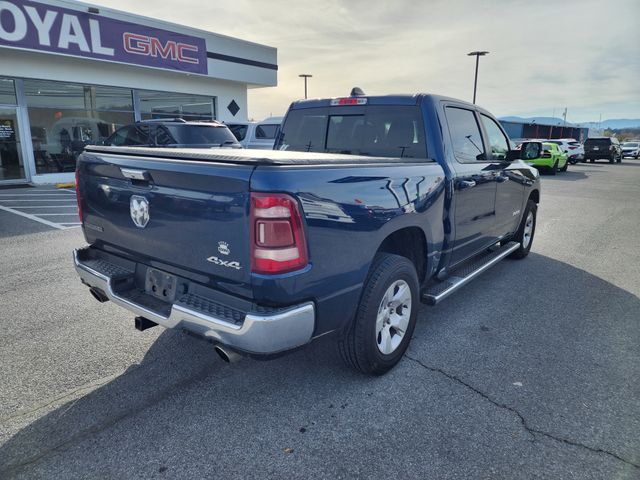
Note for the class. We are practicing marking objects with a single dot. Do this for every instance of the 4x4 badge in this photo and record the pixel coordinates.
(224, 263)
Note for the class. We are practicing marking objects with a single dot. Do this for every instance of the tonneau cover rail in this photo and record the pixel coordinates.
(248, 156)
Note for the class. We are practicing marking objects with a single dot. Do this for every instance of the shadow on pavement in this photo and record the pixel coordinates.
(570, 175)
(578, 343)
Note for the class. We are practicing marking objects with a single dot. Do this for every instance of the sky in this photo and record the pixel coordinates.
(544, 55)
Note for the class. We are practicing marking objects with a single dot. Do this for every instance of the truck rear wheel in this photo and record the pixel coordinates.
(381, 331)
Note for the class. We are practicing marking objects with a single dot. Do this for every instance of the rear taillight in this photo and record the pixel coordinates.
(277, 237)
(78, 194)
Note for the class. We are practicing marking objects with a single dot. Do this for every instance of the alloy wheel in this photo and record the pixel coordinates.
(393, 317)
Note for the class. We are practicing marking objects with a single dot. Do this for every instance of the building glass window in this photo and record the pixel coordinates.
(66, 117)
(157, 105)
(7, 92)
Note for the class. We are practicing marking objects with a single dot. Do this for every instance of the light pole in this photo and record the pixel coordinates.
(475, 82)
(305, 76)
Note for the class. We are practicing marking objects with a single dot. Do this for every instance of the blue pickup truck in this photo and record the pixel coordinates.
(366, 207)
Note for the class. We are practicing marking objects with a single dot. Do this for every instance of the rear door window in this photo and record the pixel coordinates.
(466, 138)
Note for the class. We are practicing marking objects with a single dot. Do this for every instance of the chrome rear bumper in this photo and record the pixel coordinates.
(267, 332)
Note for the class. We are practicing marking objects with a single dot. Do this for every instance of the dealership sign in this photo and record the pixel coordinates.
(45, 28)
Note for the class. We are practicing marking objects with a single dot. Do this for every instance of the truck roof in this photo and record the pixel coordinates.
(392, 99)
(246, 156)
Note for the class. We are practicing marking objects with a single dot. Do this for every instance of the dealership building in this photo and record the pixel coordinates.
(72, 73)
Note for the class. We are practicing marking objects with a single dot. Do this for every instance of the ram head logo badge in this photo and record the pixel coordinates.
(223, 248)
(139, 210)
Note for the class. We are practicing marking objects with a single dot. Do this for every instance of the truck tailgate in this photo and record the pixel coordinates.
(192, 216)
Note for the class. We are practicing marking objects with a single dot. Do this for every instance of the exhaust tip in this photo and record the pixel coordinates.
(98, 295)
(228, 356)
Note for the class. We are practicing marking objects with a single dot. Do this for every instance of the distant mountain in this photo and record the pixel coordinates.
(538, 120)
(614, 123)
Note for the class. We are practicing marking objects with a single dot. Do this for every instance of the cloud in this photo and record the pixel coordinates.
(545, 55)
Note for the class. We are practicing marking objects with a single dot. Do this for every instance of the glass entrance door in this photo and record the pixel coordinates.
(11, 161)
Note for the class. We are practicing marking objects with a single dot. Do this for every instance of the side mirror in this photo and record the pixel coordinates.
(527, 151)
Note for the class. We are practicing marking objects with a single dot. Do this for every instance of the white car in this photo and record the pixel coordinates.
(260, 135)
(631, 149)
(573, 148)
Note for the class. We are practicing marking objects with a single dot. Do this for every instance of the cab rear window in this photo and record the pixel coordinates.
(380, 131)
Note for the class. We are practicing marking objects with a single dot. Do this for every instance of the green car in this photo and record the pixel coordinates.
(551, 160)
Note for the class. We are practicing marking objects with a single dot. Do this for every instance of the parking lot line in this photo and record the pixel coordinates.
(35, 195)
(32, 217)
(55, 214)
(39, 200)
(45, 206)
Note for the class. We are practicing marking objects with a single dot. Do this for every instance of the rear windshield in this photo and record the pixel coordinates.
(267, 131)
(197, 135)
(597, 142)
(380, 131)
(239, 131)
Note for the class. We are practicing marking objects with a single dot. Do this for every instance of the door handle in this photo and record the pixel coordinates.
(466, 184)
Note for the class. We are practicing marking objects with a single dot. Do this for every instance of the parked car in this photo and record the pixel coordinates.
(573, 149)
(607, 148)
(631, 149)
(174, 132)
(551, 160)
(256, 134)
(262, 252)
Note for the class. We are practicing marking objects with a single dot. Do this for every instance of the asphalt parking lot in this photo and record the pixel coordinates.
(531, 371)
(41, 209)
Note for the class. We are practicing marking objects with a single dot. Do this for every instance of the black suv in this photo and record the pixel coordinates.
(602, 148)
(174, 132)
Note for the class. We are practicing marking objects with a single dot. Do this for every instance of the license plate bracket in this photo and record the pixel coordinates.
(161, 284)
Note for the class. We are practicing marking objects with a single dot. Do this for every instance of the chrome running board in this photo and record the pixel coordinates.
(439, 291)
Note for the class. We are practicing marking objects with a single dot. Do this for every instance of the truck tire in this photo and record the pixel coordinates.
(382, 328)
(526, 231)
